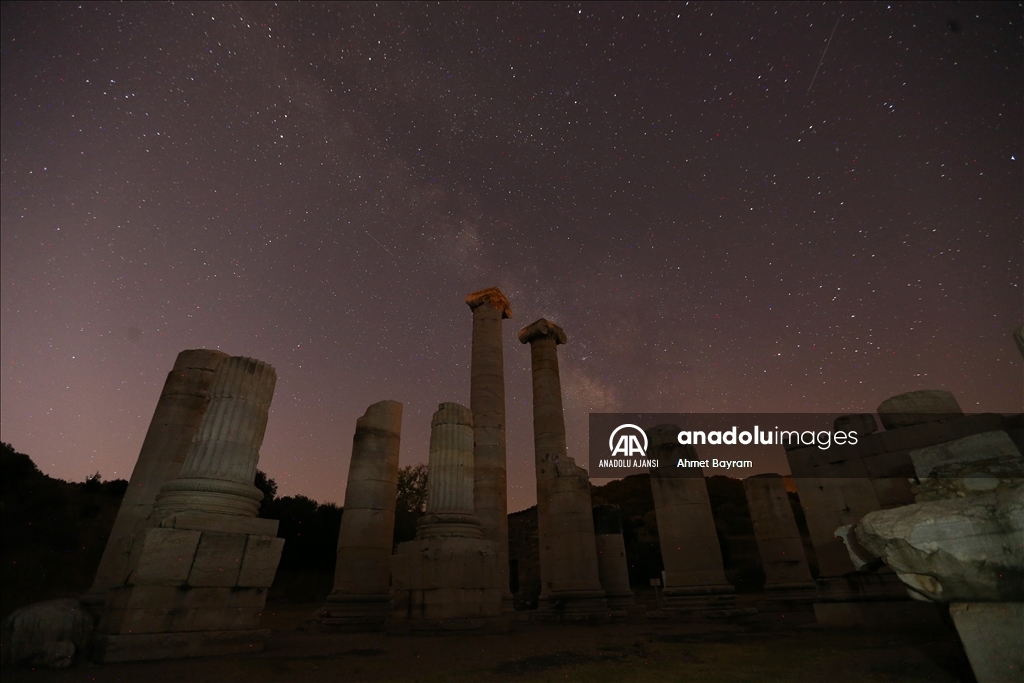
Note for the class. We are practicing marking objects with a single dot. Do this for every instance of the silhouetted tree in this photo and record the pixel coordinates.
(411, 501)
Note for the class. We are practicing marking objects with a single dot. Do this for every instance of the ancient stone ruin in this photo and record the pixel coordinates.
(176, 420)
(362, 593)
(838, 488)
(788, 588)
(487, 401)
(449, 577)
(961, 544)
(198, 579)
(570, 584)
(695, 583)
(612, 565)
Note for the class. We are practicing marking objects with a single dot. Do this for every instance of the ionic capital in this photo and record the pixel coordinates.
(492, 296)
(542, 329)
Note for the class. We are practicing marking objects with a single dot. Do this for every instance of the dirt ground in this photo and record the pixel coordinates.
(654, 650)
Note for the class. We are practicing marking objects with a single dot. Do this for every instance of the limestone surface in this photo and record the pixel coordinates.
(220, 467)
(487, 402)
(177, 417)
(916, 407)
(570, 583)
(448, 578)
(361, 594)
(686, 527)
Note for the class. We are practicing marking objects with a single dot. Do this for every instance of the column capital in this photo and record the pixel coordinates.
(492, 296)
(542, 329)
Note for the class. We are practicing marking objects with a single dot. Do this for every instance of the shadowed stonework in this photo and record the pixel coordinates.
(198, 582)
(176, 420)
(448, 578)
(570, 584)
(362, 590)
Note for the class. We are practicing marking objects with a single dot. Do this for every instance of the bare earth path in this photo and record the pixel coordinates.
(649, 651)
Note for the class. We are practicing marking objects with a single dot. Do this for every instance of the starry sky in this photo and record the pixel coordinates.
(729, 207)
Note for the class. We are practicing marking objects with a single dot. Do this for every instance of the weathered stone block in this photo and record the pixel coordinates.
(916, 407)
(218, 560)
(164, 557)
(992, 634)
(226, 618)
(259, 563)
(227, 524)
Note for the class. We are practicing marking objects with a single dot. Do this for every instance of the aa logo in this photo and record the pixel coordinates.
(628, 443)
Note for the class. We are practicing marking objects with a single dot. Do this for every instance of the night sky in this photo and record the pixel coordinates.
(783, 207)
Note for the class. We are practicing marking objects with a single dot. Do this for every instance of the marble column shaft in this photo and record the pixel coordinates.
(612, 565)
(565, 524)
(179, 412)
(368, 521)
(450, 478)
(686, 528)
(778, 538)
(220, 467)
(487, 401)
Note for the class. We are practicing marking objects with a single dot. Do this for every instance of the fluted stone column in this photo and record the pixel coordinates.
(448, 577)
(570, 583)
(177, 417)
(612, 566)
(487, 401)
(788, 583)
(220, 467)
(198, 577)
(361, 592)
(694, 573)
(450, 475)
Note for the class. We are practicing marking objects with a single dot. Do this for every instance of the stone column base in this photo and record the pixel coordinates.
(700, 604)
(354, 613)
(991, 633)
(107, 648)
(446, 582)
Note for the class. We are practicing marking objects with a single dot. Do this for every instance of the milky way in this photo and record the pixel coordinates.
(319, 187)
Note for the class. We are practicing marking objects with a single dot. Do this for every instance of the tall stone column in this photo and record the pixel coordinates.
(359, 601)
(612, 566)
(788, 583)
(177, 417)
(198, 577)
(695, 580)
(449, 577)
(570, 583)
(220, 467)
(487, 401)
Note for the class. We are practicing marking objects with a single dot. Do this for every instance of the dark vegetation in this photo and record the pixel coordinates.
(53, 532)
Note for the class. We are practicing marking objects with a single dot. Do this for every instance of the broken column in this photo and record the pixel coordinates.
(839, 486)
(198, 582)
(362, 592)
(179, 411)
(612, 567)
(487, 401)
(960, 544)
(448, 577)
(695, 583)
(570, 585)
(788, 584)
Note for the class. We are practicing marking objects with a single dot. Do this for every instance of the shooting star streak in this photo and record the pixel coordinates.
(381, 245)
(823, 53)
